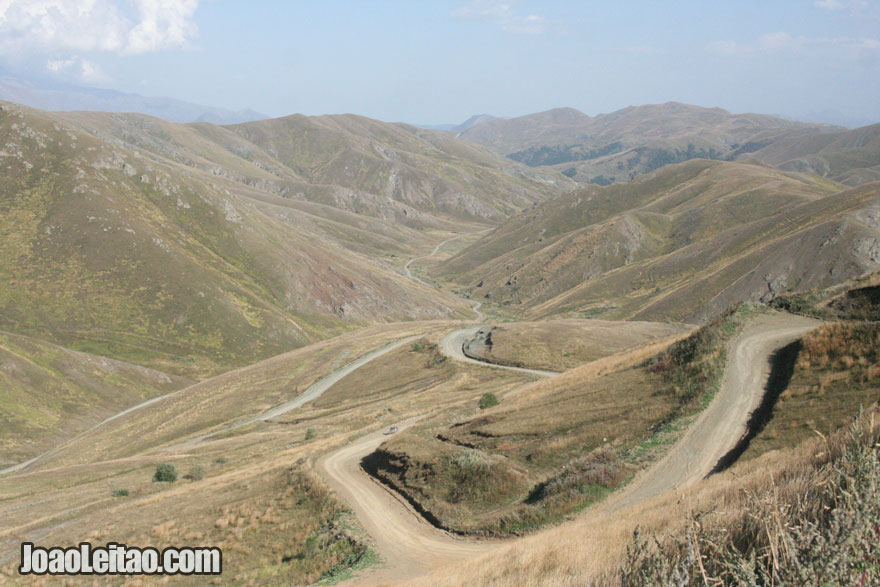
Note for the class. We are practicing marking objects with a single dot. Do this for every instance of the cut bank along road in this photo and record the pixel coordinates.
(453, 343)
(411, 546)
(407, 543)
(721, 425)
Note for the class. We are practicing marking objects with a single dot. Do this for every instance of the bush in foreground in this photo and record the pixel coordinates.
(825, 533)
(165, 473)
(488, 400)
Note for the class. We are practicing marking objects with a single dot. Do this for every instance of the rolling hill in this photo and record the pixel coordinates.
(170, 246)
(681, 243)
(51, 393)
(618, 146)
(415, 177)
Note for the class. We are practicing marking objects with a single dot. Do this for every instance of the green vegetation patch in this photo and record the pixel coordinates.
(165, 473)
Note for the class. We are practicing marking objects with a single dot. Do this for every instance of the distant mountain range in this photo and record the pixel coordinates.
(616, 147)
(51, 95)
(475, 119)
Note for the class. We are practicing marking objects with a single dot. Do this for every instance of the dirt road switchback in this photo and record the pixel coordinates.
(452, 345)
(720, 426)
(409, 545)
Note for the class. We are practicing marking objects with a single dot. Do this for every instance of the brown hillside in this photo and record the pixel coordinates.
(109, 251)
(682, 243)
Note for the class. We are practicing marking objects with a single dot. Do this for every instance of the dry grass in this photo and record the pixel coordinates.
(816, 526)
(213, 405)
(833, 374)
(279, 525)
(245, 500)
(841, 346)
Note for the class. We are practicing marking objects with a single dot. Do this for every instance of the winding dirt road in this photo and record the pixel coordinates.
(720, 426)
(55, 450)
(476, 305)
(410, 546)
(453, 343)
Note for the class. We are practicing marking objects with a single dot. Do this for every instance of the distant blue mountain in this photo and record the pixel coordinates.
(475, 119)
(52, 95)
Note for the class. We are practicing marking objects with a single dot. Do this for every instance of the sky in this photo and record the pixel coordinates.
(439, 61)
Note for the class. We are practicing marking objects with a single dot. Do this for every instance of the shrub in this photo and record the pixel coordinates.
(311, 433)
(488, 400)
(165, 473)
(418, 346)
(805, 304)
(220, 461)
(119, 493)
(598, 469)
(196, 472)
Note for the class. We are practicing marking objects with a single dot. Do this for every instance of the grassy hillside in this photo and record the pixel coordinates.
(851, 157)
(394, 172)
(682, 243)
(108, 251)
(51, 393)
(250, 490)
(557, 345)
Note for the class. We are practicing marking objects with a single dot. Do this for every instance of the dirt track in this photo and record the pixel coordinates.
(410, 546)
(453, 343)
(476, 305)
(723, 423)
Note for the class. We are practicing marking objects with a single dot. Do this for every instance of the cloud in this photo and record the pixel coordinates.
(857, 8)
(90, 72)
(126, 28)
(58, 65)
(79, 68)
(783, 41)
(828, 4)
(501, 13)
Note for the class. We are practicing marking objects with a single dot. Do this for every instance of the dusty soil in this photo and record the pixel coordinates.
(721, 425)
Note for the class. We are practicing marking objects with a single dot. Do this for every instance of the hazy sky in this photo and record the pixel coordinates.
(441, 61)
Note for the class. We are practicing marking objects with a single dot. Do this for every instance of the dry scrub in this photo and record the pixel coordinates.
(834, 372)
(813, 526)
